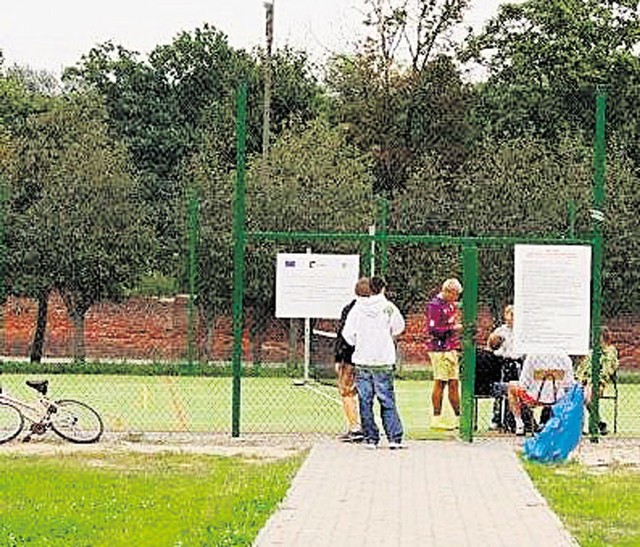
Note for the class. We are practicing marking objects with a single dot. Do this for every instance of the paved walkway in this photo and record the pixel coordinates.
(434, 493)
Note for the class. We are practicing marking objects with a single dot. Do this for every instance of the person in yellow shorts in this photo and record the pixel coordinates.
(443, 346)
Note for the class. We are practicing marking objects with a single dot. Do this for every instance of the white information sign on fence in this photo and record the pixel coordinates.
(315, 285)
(552, 299)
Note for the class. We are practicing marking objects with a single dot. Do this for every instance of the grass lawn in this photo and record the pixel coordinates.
(102, 499)
(269, 405)
(598, 507)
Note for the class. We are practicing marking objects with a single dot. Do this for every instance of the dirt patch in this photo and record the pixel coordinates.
(257, 448)
(609, 452)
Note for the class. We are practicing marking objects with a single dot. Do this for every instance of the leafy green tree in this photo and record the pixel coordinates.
(84, 232)
(402, 94)
(23, 91)
(317, 182)
(621, 283)
(210, 178)
(520, 186)
(165, 107)
(546, 58)
(545, 61)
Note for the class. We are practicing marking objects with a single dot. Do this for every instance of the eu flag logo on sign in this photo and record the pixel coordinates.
(289, 263)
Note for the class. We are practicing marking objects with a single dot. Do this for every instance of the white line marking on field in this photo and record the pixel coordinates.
(323, 394)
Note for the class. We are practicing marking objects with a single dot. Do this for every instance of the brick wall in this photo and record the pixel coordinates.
(155, 328)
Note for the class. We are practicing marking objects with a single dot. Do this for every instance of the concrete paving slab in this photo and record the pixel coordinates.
(431, 493)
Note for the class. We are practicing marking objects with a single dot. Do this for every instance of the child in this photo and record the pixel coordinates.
(608, 370)
(371, 327)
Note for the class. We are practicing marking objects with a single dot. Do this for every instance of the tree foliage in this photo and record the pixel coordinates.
(401, 94)
(82, 229)
(545, 60)
(164, 108)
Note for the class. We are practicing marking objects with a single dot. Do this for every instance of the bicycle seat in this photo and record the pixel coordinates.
(40, 386)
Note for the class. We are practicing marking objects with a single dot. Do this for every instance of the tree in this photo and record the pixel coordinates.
(210, 178)
(311, 189)
(86, 232)
(23, 92)
(402, 94)
(521, 186)
(546, 58)
(165, 107)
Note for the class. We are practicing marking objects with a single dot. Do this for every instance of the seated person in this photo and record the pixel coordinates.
(608, 369)
(543, 380)
(505, 331)
(488, 366)
(489, 371)
(512, 360)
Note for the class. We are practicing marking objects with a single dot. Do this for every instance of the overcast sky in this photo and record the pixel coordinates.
(53, 34)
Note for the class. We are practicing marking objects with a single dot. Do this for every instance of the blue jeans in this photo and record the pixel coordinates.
(380, 384)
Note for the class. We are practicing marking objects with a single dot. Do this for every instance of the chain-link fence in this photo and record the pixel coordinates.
(119, 248)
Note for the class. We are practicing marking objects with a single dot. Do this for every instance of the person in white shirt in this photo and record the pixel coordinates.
(543, 380)
(505, 331)
(371, 326)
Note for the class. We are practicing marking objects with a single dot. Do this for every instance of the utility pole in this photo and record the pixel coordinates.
(266, 115)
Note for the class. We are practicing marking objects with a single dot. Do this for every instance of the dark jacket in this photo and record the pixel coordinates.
(343, 350)
(488, 370)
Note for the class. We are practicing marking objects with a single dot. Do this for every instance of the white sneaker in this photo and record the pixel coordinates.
(370, 445)
(520, 430)
(396, 445)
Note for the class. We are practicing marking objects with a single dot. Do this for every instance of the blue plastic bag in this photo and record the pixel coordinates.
(562, 432)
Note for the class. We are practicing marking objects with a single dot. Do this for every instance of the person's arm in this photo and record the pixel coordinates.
(526, 376)
(349, 330)
(343, 350)
(397, 322)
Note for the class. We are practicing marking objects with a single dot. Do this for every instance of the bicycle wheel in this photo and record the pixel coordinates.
(11, 422)
(76, 422)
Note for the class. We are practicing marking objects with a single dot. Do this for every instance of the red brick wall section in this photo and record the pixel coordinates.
(155, 329)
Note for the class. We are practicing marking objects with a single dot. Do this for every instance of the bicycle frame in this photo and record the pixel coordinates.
(70, 419)
(36, 414)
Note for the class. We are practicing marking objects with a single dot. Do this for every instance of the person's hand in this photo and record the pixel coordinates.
(337, 367)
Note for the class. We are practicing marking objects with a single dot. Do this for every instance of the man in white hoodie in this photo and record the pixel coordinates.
(371, 327)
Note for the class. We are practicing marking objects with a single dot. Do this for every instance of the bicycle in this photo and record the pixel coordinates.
(72, 420)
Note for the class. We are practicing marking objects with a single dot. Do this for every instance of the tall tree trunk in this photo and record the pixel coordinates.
(37, 344)
(77, 309)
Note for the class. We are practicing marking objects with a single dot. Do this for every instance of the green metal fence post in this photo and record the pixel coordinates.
(239, 237)
(470, 311)
(193, 208)
(599, 170)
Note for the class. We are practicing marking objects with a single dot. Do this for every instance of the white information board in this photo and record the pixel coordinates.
(552, 299)
(315, 285)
